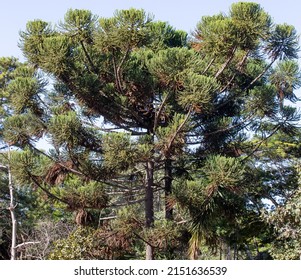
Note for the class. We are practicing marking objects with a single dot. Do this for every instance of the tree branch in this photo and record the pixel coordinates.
(58, 162)
(118, 70)
(261, 142)
(46, 191)
(157, 115)
(220, 71)
(3, 167)
(88, 57)
(261, 74)
(107, 218)
(239, 68)
(145, 241)
(179, 129)
(27, 243)
(208, 66)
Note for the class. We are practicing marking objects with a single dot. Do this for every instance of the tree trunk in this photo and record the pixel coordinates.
(168, 189)
(248, 252)
(235, 252)
(149, 252)
(229, 253)
(12, 213)
(149, 206)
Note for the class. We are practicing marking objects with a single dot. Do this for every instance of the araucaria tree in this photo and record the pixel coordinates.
(142, 118)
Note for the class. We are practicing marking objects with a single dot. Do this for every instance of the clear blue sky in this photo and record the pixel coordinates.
(182, 14)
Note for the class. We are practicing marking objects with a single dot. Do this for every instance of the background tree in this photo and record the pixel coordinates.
(246, 103)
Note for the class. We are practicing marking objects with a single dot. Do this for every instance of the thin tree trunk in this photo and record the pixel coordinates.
(229, 255)
(12, 212)
(168, 189)
(248, 252)
(149, 206)
(235, 252)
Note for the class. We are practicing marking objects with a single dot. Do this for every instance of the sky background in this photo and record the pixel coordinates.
(182, 14)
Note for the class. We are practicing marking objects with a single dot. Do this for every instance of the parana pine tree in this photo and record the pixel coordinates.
(142, 118)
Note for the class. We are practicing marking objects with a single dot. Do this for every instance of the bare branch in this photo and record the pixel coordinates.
(3, 168)
(107, 218)
(27, 243)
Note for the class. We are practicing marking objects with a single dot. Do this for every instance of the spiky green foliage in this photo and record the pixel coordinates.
(286, 78)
